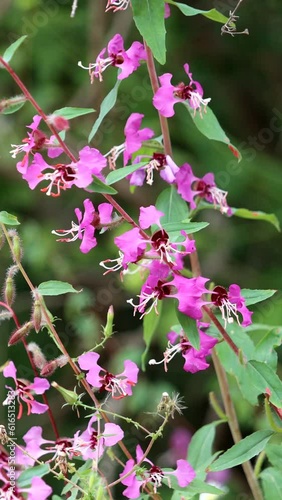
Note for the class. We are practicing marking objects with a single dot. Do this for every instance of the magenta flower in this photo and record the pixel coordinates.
(87, 224)
(157, 163)
(127, 60)
(134, 136)
(118, 385)
(60, 177)
(189, 187)
(154, 476)
(37, 489)
(24, 391)
(230, 303)
(168, 95)
(91, 442)
(195, 360)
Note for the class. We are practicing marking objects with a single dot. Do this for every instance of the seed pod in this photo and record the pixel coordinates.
(37, 355)
(17, 251)
(9, 285)
(37, 315)
(20, 333)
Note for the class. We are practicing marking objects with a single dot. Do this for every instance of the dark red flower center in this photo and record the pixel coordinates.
(67, 173)
(39, 139)
(106, 381)
(202, 187)
(163, 289)
(155, 470)
(219, 294)
(160, 158)
(93, 440)
(160, 238)
(63, 444)
(96, 220)
(184, 91)
(117, 59)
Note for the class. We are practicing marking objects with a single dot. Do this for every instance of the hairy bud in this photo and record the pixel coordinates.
(9, 285)
(20, 333)
(17, 251)
(37, 355)
(50, 366)
(37, 315)
(69, 396)
(59, 122)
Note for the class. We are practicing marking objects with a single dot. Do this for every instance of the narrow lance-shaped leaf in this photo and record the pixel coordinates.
(106, 106)
(121, 173)
(254, 296)
(70, 113)
(212, 14)
(190, 328)
(53, 287)
(26, 476)
(256, 215)
(262, 377)
(98, 186)
(200, 447)
(9, 52)
(8, 219)
(149, 19)
(150, 324)
(246, 449)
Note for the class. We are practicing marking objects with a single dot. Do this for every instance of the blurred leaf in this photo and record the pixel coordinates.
(9, 52)
(120, 173)
(274, 455)
(70, 113)
(190, 328)
(172, 205)
(271, 483)
(262, 377)
(212, 14)
(253, 296)
(149, 19)
(195, 488)
(246, 449)
(200, 447)
(188, 227)
(8, 219)
(56, 288)
(13, 108)
(209, 126)
(264, 350)
(150, 323)
(97, 186)
(106, 106)
(25, 478)
(256, 215)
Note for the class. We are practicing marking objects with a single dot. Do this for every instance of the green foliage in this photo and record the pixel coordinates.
(27, 475)
(149, 19)
(54, 288)
(9, 52)
(8, 219)
(212, 14)
(106, 106)
(70, 113)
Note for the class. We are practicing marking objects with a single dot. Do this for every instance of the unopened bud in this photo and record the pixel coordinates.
(59, 122)
(3, 435)
(9, 286)
(20, 333)
(108, 329)
(37, 355)
(69, 396)
(50, 366)
(37, 315)
(17, 251)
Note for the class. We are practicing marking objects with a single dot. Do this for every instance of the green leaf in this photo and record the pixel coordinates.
(150, 323)
(261, 377)
(212, 14)
(195, 488)
(172, 205)
(8, 54)
(200, 447)
(106, 106)
(209, 126)
(271, 483)
(8, 219)
(264, 350)
(274, 455)
(70, 113)
(149, 19)
(254, 296)
(120, 173)
(25, 478)
(246, 449)
(188, 227)
(12, 108)
(190, 328)
(98, 186)
(256, 215)
(56, 288)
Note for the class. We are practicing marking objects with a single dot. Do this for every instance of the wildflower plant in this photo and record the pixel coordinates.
(212, 324)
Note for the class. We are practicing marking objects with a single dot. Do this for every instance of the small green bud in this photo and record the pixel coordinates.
(108, 329)
(69, 396)
(20, 333)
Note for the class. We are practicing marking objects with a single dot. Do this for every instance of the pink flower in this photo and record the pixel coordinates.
(189, 186)
(127, 60)
(195, 360)
(154, 476)
(118, 385)
(158, 162)
(24, 391)
(87, 224)
(134, 136)
(168, 95)
(60, 177)
(230, 303)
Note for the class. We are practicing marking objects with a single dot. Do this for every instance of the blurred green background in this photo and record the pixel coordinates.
(242, 75)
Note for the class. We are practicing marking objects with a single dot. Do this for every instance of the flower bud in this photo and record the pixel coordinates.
(37, 315)
(59, 122)
(17, 251)
(37, 355)
(50, 366)
(108, 329)
(20, 333)
(9, 286)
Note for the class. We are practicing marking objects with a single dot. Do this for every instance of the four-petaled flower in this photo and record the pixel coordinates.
(189, 186)
(87, 224)
(230, 303)
(154, 476)
(168, 95)
(195, 359)
(127, 60)
(24, 391)
(60, 177)
(118, 385)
